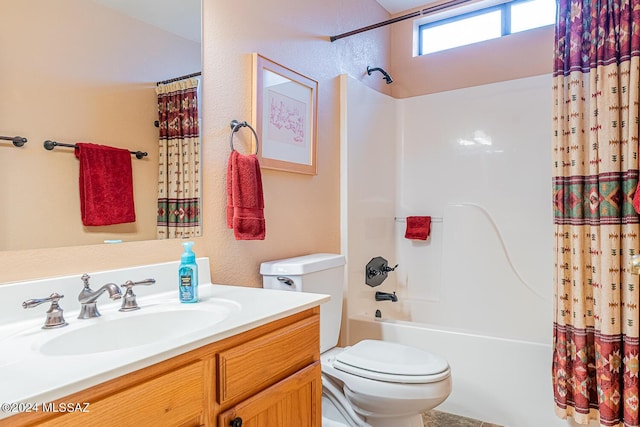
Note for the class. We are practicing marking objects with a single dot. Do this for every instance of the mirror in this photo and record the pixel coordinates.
(84, 71)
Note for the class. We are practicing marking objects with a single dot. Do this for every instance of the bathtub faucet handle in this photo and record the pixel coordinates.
(387, 269)
(372, 272)
(376, 271)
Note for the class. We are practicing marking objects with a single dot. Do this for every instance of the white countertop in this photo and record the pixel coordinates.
(27, 375)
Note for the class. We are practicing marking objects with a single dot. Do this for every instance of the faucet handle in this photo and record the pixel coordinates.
(55, 319)
(386, 268)
(377, 270)
(130, 284)
(129, 302)
(85, 280)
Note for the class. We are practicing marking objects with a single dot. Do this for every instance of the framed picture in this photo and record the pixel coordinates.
(285, 105)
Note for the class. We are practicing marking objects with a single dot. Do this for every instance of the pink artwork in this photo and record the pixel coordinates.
(286, 119)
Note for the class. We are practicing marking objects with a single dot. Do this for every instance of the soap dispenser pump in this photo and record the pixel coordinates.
(188, 275)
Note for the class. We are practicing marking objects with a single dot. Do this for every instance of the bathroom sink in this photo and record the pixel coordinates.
(127, 330)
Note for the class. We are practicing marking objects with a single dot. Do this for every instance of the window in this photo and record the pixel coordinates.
(484, 24)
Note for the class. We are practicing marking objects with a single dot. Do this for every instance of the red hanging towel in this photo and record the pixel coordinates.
(106, 185)
(418, 227)
(245, 200)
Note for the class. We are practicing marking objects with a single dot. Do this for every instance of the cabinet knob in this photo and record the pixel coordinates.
(236, 422)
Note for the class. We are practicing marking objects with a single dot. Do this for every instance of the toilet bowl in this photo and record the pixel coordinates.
(388, 384)
(372, 383)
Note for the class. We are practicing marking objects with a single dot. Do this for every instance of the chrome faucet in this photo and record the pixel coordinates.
(88, 297)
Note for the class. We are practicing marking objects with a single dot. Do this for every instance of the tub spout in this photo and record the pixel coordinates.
(385, 296)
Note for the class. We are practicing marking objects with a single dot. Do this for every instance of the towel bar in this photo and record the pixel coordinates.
(433, 219)
(18, 141)
(50, 145)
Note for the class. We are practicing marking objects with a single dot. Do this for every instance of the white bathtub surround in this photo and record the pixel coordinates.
(479, 290)
(34, 368)
(368, 169)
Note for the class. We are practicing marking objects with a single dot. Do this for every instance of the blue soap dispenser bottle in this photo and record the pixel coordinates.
(188, 275)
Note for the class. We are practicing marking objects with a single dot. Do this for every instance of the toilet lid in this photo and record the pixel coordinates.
(387, 361)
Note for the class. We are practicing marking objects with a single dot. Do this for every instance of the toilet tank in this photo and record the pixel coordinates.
(316, 273)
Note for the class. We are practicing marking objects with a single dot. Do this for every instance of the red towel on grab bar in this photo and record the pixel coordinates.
(245, 201)
(418, 227)
(106, 185)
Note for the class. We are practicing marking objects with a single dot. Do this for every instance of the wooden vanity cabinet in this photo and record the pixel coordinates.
(273, 380)
(265, 377)
(173, 398)
(292, 402)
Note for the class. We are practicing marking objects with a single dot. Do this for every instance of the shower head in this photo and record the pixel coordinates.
(386, 75)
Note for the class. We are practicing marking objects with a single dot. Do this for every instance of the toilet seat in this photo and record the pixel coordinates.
(391, 362)
(378, 399)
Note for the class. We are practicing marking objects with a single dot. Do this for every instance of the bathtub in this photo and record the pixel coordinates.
(498, 380)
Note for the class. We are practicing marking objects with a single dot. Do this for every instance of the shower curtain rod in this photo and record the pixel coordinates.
(415, 14)
(177, 79)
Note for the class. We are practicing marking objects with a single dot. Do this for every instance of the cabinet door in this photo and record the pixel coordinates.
(292, 402)
(172, 399)
(254, 365)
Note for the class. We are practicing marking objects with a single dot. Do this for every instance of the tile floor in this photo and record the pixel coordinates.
(443, 419)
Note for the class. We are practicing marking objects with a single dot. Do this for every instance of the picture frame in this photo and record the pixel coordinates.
(285, 108)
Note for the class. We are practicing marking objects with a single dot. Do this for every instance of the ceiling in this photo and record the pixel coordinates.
(182, 17)
(397, 6)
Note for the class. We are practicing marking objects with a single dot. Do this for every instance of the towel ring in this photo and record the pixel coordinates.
(235, 127)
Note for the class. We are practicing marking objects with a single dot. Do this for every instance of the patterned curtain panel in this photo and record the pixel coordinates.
(595, 163)
(179, 163)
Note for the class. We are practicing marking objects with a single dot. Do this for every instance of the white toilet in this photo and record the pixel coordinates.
(372, 383)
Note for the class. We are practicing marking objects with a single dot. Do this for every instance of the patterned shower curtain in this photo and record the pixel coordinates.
(595, 149)
(179, 163)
